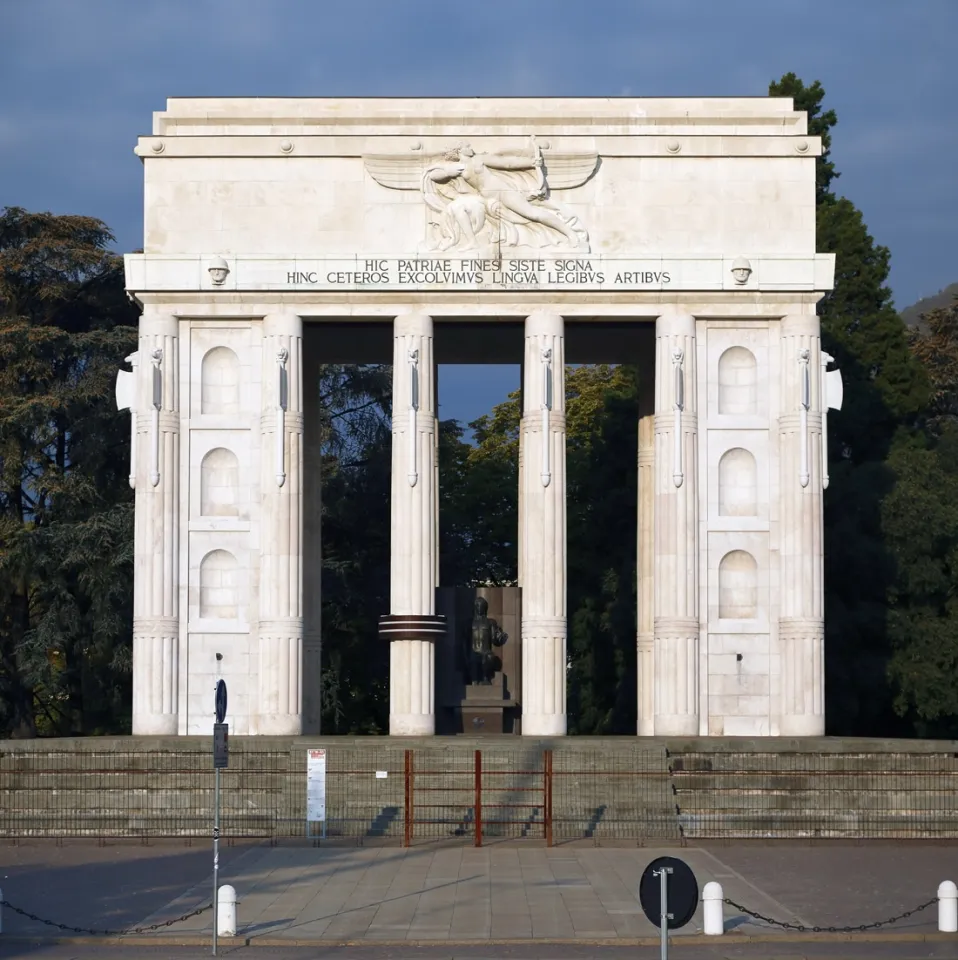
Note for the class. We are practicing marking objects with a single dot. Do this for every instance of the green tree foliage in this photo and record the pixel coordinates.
(479, 520)
(65, 503)
(920, 518)
(355, 582)
(885, 390)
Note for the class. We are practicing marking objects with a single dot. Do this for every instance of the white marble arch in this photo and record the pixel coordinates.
(265, 216)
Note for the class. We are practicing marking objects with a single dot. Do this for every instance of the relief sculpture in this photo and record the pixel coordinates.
(482, 203)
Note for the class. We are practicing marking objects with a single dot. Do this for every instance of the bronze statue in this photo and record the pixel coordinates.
(484, 635)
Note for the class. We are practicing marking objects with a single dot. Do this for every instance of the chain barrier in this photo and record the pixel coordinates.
(105, 933)
(801, 928)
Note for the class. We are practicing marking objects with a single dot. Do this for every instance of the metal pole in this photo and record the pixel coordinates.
(216, 856)
(664, 908)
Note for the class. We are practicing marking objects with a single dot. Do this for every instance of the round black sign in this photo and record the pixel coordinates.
(220, 701)
(682, 891)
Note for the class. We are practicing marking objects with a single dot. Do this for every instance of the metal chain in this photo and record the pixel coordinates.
(801, 928)
(105, 933)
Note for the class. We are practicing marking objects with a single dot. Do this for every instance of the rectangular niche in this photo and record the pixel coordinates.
(737, 375)
(737, 476)
(224, 373)
(738, 582)
(220, 595)
(223, 479)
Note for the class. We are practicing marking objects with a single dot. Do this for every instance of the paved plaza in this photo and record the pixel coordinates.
(509, 899)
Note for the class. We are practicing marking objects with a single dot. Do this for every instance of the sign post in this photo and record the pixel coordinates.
(316, 790)
(221, 760)
(669, 895)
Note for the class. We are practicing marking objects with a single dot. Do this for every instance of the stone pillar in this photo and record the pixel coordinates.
(645, 566)
(676, 557)
(801, 626)
(279, 710)
(312, 538)
(542, 531)
(156, 585)
(412, 626)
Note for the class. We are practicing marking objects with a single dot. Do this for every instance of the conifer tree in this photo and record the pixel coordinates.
(885, 390)
(65, 503)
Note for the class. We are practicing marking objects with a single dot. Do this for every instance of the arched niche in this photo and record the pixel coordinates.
(737, 484)
(219, 586)
(220, 382)
(219, 484)
(738, 586)
(738, 382)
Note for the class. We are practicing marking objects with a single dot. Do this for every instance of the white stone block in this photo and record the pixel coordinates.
(749, 726)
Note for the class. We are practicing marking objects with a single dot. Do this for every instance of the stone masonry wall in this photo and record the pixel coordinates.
(602, 789)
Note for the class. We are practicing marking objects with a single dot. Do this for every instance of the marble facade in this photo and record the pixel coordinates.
(269, 219)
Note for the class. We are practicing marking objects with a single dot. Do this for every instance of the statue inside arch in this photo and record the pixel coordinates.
(485, 635)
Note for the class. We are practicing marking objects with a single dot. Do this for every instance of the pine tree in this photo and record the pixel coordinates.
(885, 391)
(65, 503)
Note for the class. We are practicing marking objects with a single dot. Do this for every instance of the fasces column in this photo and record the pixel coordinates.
(279, 711)
(156, 623)
(412, 626)
(801, 627)
(542, 529)
(676, 588)
(312, 538)
(645, 574)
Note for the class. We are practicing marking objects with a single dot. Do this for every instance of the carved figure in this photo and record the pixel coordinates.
(485, 634)
(480, 202)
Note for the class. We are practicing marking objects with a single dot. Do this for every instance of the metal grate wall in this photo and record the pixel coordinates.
(625, 793)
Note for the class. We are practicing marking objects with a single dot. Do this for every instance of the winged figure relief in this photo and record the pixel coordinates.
(482, 202)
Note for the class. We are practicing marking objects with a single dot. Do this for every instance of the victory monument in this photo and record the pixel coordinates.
(678, 235)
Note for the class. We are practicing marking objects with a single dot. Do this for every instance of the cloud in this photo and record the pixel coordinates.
(89, 75)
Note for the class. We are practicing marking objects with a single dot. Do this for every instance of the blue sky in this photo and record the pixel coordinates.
(79, 80)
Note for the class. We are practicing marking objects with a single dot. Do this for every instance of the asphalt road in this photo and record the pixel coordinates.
(758, 951)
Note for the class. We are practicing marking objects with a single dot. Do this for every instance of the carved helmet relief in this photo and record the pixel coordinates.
(483, 201)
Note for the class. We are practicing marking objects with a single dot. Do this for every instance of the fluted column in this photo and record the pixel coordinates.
(801, 627)
(312, 538)
(542, 531)
(645, 565)
(412, 626)
(279, 710)
(676, 588)
(156, 585)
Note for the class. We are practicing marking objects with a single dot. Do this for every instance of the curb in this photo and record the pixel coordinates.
(695, 939)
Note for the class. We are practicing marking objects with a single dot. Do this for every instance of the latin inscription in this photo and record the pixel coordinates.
(516, 273)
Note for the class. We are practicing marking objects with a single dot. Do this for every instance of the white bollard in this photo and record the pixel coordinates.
(226, 911)
(947, 907)
(713, 909)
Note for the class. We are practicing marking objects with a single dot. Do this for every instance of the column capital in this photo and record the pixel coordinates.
(801, 324)
(157, 324)
(544, 323)
(413, 324)
(277, 324)
(675, 324)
